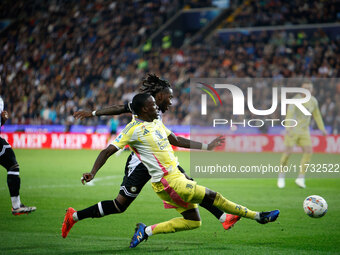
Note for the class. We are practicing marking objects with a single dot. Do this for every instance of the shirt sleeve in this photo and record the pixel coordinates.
(317, 117)
(167, 131)
(290, 112)
(127, 107)
(124, 137)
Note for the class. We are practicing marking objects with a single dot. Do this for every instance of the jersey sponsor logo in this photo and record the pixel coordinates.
(158, 134)
(162, 144)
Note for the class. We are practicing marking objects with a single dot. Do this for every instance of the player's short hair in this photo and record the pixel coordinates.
(153, 84)
(308, 85)
(138, 102)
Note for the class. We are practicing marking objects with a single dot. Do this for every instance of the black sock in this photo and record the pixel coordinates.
(101, 209)
(214, 210)
(207, 203)
(13, 182)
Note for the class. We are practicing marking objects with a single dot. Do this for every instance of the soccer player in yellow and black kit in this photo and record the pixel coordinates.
(149, 139)
(136, 173)
(300, 136)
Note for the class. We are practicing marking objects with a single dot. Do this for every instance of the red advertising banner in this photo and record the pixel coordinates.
(56, 140)
(272, 143)
(234, 143)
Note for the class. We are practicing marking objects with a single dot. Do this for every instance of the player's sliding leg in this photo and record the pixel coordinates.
(227, 220)
(190, 220)
(178, 190)
(8, 160)
(101, 209)
(136, 176)
(216, 199)
(305, 160)
(283, 162)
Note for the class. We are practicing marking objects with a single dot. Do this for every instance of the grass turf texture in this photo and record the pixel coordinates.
(51, 181)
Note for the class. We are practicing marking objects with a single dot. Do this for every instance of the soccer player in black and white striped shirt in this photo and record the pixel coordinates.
(8, 161)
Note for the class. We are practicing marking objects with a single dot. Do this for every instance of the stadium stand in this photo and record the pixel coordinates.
(273, 13)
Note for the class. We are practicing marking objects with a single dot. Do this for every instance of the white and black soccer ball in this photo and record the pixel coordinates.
(315, 206)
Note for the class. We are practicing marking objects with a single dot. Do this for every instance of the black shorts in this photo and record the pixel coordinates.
(136, 176)
(7, 156)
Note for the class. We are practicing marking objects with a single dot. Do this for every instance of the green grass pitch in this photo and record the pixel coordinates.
(51, 181)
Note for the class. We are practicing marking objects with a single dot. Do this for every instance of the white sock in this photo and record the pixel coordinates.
(16, 202)
(223, 217)
(257, 216)
(301, 176)
(281, 175)
(75, 216)
(148, 231)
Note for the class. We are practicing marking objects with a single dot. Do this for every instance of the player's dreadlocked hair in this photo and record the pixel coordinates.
(153, 84)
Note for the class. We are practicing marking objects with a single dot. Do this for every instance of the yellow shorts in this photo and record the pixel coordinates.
(179, 192)
(301, 140)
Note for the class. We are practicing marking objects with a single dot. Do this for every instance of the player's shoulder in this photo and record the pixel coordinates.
(132, 125)
(158, 123)
(314, 100)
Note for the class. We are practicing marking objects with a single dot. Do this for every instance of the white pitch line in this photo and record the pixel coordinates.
(91, 183)
(45, 186)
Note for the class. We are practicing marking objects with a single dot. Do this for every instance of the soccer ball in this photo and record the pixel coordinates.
(315, 206)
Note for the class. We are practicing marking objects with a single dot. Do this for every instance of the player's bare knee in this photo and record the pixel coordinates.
(120, 207)
(288, 151)
(124, 202)
(13, 169)
(192, 214)
(307, 150)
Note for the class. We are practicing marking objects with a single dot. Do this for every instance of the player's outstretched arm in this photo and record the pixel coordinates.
(100, 161)
(187, 143)
(111, 110)
(318, 119)
(4, 117)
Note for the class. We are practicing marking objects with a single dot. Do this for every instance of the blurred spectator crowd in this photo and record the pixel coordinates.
(63, 56)
(277, 12)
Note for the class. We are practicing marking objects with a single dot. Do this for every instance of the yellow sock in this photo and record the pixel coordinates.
(284, 159)
(230, 207)
(174, 225)
(306, 157)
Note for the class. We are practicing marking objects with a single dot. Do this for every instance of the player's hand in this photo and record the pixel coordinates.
(324, 132)
(87, 177)
(4, 116)
(82, 115)
(216, 142)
